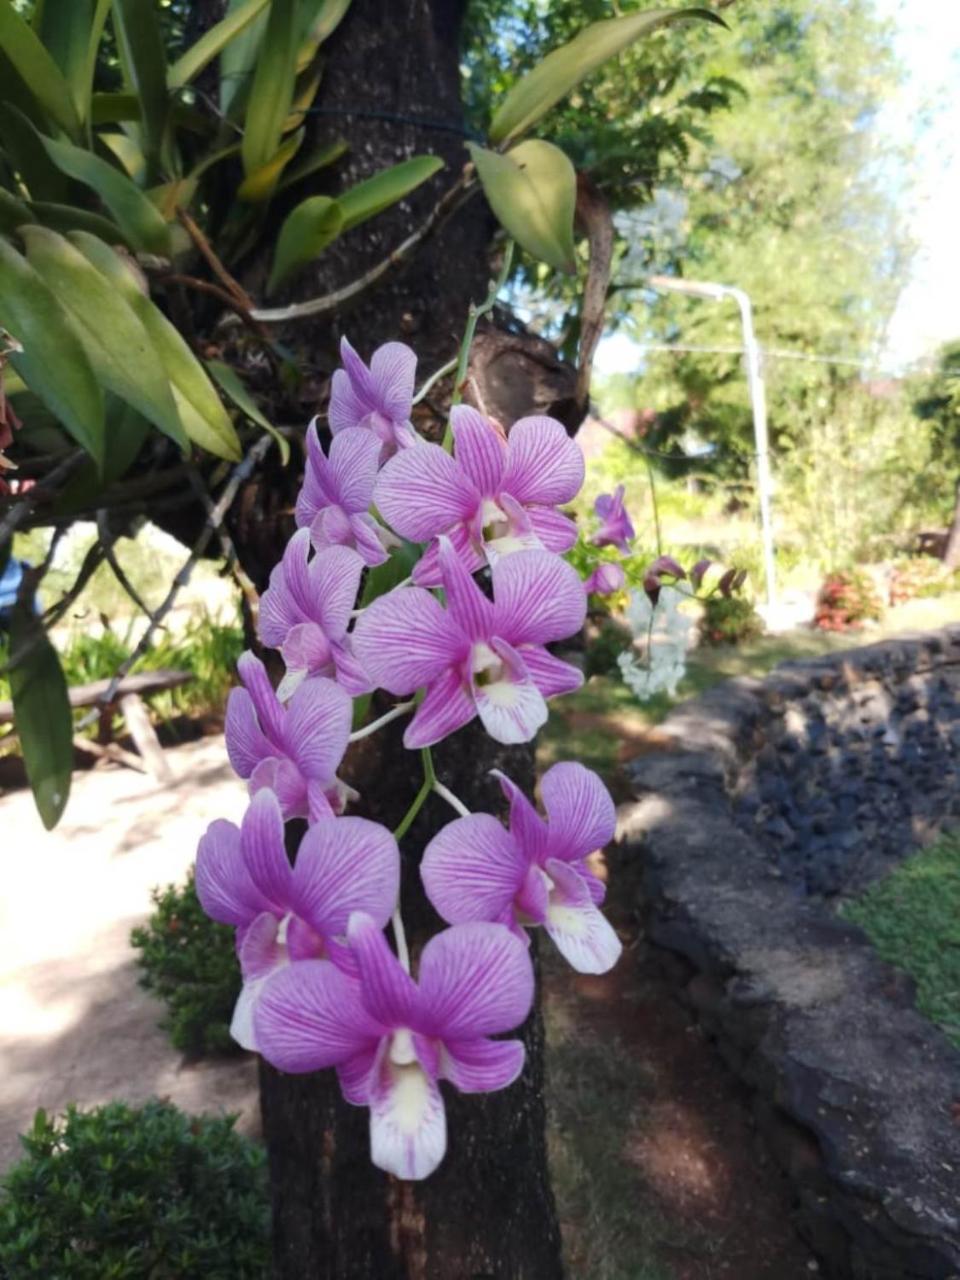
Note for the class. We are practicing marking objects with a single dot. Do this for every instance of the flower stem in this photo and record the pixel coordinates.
(473, 315)
(446, 794)
(429, 778)
(400, 938)
(434, 378)
(400, 709)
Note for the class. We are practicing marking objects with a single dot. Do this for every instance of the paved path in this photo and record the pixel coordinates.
(74, 1025)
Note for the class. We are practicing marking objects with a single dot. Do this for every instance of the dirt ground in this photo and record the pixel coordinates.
(75, 1027)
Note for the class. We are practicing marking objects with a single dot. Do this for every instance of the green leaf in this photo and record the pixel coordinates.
(36, 171)
(274, 81)
(305, 233)
(115, 340)
(384, 189)
(533, 192)
(261, 184)
(139, 219)
(13, 212)
(124, 434)
(144, 64)
(53, 363)
(544, 86)
(320, 159)
(70, 30)
(204, 418)
(37, 69)
(67, 217)
(213, 42)
(41, 713)
(234, 389)
(320, 18)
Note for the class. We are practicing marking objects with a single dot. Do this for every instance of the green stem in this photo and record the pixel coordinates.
(653, 499)
(473, 315)
(420, 799)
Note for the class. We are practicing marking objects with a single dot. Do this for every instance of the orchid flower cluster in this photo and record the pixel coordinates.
(321, 985)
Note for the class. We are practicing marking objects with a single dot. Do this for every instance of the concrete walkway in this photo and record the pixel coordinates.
(74, 1025)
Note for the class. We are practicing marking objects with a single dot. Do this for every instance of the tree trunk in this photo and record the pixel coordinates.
(391, 88)
(951, 551)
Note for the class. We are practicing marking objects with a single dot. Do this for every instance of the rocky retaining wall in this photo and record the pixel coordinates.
(769, 797)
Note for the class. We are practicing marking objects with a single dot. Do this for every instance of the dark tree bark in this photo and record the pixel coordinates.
(488, 1211)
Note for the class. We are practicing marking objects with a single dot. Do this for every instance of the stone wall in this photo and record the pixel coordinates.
(768, 798)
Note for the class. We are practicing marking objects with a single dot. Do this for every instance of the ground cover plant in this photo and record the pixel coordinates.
(122, 1193)
(912, 917)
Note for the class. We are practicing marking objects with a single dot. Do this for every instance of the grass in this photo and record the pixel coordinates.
(912, 917)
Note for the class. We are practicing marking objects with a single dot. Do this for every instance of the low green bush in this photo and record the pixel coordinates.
(729, 620)
(189, 962)
(119, 1193)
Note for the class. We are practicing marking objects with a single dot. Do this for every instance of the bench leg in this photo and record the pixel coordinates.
(143, 734)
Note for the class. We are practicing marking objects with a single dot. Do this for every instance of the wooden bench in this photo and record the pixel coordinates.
(129, 696)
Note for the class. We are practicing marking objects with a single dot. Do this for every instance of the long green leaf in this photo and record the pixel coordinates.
(274, 81)
(70, 30)
(260, 185)
(116, 342)
(144, 64)
(37, 69)
(234, 389)
(37, 172)
(533, 192)
(306, 232)
(319, 18)
(53, 362)
(204, 418)
(67, 217)
(319, 159)
(213, 42)
(544, 86)
(41, 713)
(139, 219)
(124, 435)
(13, 212)
(372, 196)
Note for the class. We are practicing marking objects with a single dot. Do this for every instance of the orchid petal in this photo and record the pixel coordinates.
(257, 683)
(475, 980)
(551, 675)
(527, 828)
(556, 532)
(284, 779)
(306, 649)
(479, 449)
(367, 536)
(334, 579)
(264, 854)
(511, 708)
(446, 707)
(405, 639)
(258, 950)
(388, 994)
(472, 869)
(354, 1076)
(345, 865)
(247, 745)
(543, 463)
(223, 883)
(533, 900)
(408, 1124)
(352, 468)
(350, 671)
(422, 492)
(582, 934)
(331, 527)
(466, 603)
(317, 727)
(580, 812)
(482, 1066)
(316, 490)
(285, 603)
(241, 1023)
(309, 1016)
(426, 572)
(539, 598)
(393, 368)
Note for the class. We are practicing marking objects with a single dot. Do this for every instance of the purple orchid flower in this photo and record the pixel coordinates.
(392, 1039)
(378, 398)
(536, 872)
(305, 612)
(493, 497)
(607, 578)
(477, 656)
(616, 528)
(293, 750)
(283, 913)
(337, 492)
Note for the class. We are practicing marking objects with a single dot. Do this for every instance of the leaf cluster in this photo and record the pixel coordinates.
(119, 1193)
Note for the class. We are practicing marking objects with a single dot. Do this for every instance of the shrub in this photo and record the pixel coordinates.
(729, 620)
(845, 601)
(604, 645)
(920, 576)
(119, 1193)
(189, 962)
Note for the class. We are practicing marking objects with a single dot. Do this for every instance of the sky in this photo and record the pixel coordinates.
(928, 312)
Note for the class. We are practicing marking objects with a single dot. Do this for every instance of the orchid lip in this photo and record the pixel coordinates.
(402, 1052)
(485, 665)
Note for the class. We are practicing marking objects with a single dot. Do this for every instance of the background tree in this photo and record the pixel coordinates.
(939, 403)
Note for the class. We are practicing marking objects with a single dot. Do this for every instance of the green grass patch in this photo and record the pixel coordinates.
(912, 917)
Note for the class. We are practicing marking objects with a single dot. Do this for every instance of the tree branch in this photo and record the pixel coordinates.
(42, 489)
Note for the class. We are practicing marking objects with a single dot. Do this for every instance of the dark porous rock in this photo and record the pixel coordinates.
(785, 794)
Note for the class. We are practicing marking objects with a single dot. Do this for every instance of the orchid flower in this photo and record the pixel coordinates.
(607, 578)
(616, 528)
(305, 611)
(283, 913)
(477, 656)
(494, 496)
(294, 750)
(337, 492)
(535, 873)
(392, 1039)
(378, 398)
